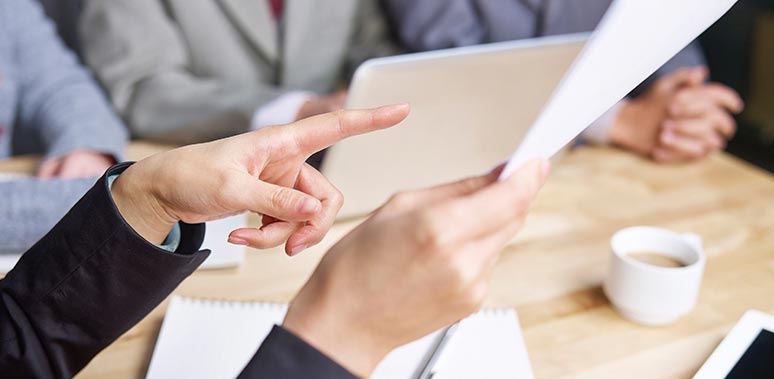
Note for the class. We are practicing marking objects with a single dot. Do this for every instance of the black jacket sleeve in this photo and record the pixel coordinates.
(93, 277)
(285, 356)
(83, 285)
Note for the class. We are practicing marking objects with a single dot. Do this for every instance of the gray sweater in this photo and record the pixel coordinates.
(49, 104)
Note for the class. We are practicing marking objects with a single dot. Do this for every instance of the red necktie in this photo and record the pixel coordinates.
(277, 8)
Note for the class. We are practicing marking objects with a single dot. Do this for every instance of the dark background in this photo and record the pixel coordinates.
(740, 53)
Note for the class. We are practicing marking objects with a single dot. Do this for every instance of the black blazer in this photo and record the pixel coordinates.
(92, 277)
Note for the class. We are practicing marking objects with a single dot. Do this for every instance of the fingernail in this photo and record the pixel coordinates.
(297, 250)
(237, 241)
(309, 206)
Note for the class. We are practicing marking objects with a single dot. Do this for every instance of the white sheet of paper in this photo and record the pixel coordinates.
(224, 254)
(633, 40)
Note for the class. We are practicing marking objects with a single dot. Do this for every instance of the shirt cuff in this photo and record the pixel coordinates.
(282, 110)
(599, 131)
(172, 242)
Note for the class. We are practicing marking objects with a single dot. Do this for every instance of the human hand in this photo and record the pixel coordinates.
(262, 172)
(698, 122)
(679, 118)
(639, 123)
(421, 262)
(323, 104)
(82, 163)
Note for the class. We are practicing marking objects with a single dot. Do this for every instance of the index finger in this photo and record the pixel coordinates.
(712, 93)
(317, 133)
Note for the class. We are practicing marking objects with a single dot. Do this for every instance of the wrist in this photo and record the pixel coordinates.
(138, 204)
(350, 345)
(623, 129)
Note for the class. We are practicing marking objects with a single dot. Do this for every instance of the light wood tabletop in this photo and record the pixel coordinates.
(552, 272)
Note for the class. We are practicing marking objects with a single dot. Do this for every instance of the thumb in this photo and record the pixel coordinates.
(282, 203)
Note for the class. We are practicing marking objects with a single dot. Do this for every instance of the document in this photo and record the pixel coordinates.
(205, 339)
(633, 40)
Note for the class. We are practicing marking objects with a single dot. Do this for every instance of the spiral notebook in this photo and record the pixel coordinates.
(219, 338)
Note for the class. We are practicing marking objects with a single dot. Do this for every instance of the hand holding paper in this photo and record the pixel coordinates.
(634, 39)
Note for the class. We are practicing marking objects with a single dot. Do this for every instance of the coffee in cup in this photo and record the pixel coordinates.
(654, 275)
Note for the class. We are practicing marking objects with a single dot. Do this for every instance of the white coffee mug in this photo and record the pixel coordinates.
(649, 294)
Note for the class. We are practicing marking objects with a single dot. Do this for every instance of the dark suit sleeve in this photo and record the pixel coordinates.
(432, 25)
(83, 285)
(285, 356)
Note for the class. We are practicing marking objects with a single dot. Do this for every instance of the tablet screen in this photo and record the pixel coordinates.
(758, 361)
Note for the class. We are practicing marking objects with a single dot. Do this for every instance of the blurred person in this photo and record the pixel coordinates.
(675, 116)
(416, 265)
(50, 105)
(183, 72)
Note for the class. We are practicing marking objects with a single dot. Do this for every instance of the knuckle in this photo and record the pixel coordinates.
(337, 198)
(520, 202)
(280, 199)
(682, 98)
(399, 201)
(230, 187)
(429, 234)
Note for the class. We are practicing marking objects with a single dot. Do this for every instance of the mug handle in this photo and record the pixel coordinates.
(694, 240)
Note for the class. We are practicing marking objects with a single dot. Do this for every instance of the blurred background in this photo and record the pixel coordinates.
(740, 53)
(739, 49)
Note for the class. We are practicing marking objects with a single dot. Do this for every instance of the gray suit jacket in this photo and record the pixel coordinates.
(48, 104)
(430, 25)
(195, 70)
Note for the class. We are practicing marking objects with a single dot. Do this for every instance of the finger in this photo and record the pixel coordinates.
(316, 133)
(685, 77)
(694, 100)
(75, 169)
(725, 97)
(49, 168)
(483, 253)
(691, 104)
(724, 124)
(247, 193)
(434, 195)
(268, 236)
(698, 129)
(689, 148)
(716, 125)
(496, 205)
(312, 182)
(665, 155)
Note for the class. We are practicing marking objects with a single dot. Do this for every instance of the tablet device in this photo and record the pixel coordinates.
(470, 108)
(746, 353)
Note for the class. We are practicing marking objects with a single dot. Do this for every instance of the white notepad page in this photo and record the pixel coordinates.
(214, 339)
(488, 345)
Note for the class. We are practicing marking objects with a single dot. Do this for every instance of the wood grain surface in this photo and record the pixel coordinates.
(552, 272)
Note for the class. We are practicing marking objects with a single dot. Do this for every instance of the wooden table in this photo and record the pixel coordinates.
(552, 271)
